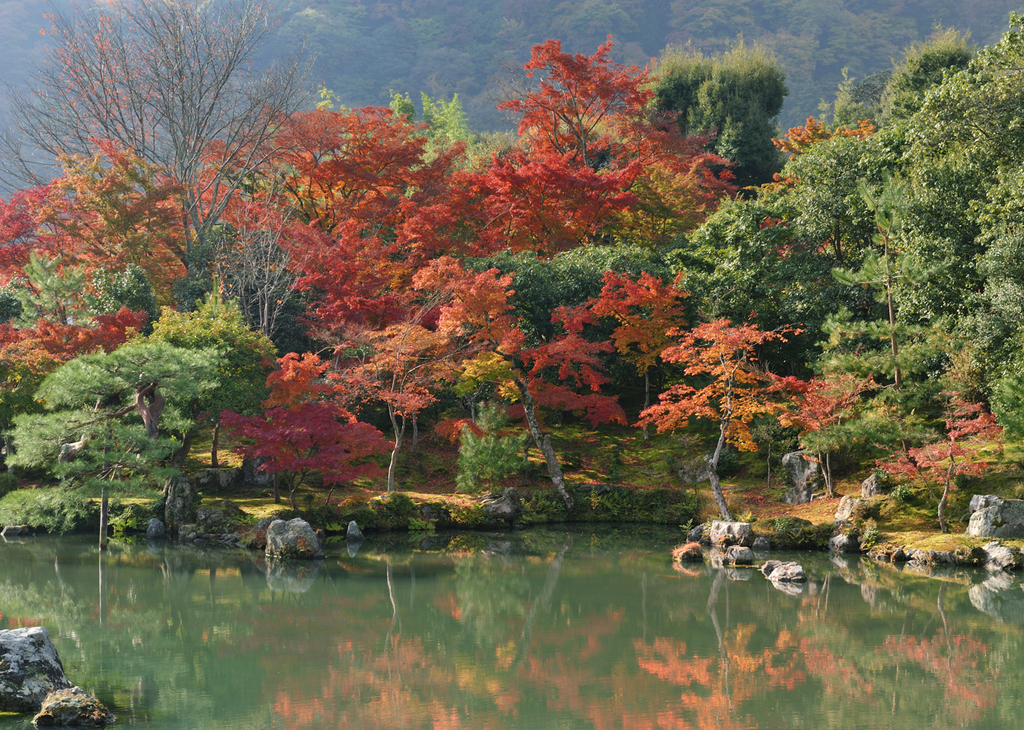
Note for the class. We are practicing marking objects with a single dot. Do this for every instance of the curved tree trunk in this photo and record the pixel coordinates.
(543, 442)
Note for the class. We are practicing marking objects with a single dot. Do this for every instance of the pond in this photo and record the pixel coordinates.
(537, 629)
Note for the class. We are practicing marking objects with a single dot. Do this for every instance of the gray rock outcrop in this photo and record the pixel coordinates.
(981, 501)
(14, 531)
(873, 486)
(844, 544)
(738, 555)
(252, 476)
(72, 707)
(155, 530)
(1001, 557)
(804, 475)
(848, 507)
(1002, 518)
(353, 532)
(180, 499)
(696, 534)
(29, 669)
(506, 506)
(761, 543)
(783, 571)
(724, 534)
(216, 481)
(293, 539)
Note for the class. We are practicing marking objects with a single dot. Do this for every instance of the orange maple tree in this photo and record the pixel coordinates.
(736, 394)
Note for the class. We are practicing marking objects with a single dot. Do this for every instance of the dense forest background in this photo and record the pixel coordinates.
(366, 48)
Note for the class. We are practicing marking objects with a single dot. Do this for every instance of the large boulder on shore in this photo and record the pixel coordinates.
(72, 707)
(29, 669)
(180, 500)
(506, 506)
(1004, 518)
(293, 539)
(724, 534)
(804, 477)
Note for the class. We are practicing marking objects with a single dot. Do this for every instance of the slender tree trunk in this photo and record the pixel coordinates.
(213, 447)
(543, 442)
(277, 489)
(103, 518)
(897, 374)
(950, 472)
(415, 432)
(826, 472)
(399, 431)
(716, 488)
(647, 398)
(293, 487)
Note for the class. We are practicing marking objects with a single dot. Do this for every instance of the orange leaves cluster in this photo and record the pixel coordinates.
(799, 139)
(738, 391)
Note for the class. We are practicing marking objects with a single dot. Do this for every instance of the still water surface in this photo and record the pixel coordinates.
(541, 629)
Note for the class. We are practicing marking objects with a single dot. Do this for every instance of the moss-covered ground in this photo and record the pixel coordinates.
(615, 474)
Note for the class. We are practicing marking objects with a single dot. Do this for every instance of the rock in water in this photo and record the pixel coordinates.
(292, 539)
(690, 552)
(155, 530)
(804, 475)
(29, 669)
(739, 555)
(72, 708)
(783, 572)
(353, 533)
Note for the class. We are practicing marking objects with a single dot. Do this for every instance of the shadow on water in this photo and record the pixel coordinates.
(539, 628)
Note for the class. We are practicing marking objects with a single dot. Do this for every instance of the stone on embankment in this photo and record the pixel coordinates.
(1003, 518)
(696, 534)
(29, 669)
(217, 481)
(180, 499)
(804, 475)
(72, 707)
(844, 544)
(1001, 557)
(293, 539)
(353, 533)
(506, 506)
(14, 531)
(724, 533)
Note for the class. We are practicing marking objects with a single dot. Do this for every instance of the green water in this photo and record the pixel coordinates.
(538, 629)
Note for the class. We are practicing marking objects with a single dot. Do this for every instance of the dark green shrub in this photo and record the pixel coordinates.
(52, 509)
(8, 483)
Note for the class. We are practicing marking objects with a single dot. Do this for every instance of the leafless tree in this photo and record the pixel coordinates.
(254, 267)
(172, 80)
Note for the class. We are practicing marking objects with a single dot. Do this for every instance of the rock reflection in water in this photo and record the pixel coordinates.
(292, 576)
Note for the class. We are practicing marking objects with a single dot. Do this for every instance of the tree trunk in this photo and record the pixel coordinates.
(179, 456)
(543, 442)
(103, 518)
(293, 487)
(716, 488)
(826, 472)
(213, 447)
(277, 489)
(647, 398)
(399, 433)
(415, 432)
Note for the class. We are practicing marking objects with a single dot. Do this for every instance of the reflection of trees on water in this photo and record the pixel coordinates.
(561, 635)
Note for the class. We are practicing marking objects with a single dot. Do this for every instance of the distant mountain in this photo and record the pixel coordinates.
(367, 47)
